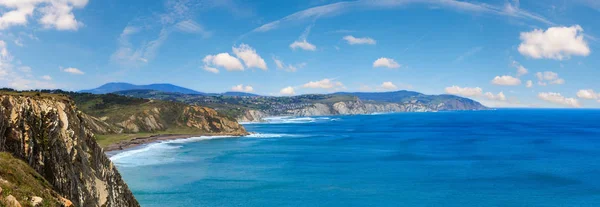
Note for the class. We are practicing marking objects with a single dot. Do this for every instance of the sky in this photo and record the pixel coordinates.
(503, 53)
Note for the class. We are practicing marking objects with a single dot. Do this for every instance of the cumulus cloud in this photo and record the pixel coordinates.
(289, 67)
(557, 98)
(386, 62)
(249, 56)
(324, 84)
(521, 70)
(529, 84)
(210, 69)
(242, 88)
(359, 40)
(497, 97)
(223, 60)
(388, 86)
(56, 14)
(555, 43)
(588, 94)
(303, 44)
(73, 71)
(287, 91)
(549, 77)
(506, 80)
(466, 91)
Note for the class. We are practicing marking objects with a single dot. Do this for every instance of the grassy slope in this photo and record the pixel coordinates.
(21, 181)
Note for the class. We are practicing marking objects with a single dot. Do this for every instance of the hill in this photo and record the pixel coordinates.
(114, 87)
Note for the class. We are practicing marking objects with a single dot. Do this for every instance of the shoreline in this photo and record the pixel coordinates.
(138, 141)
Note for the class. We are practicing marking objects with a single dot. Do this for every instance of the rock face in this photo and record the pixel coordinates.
(163, 116)
(358, 107)
(253, 116)
(54, 139)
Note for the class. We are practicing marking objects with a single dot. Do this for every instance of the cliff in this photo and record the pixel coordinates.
(53, 138)
(119, 114)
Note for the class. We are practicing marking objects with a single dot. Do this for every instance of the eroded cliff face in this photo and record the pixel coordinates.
(208, 120)
(160, 117)
(358, 107)
(54, 139)
(253, 116)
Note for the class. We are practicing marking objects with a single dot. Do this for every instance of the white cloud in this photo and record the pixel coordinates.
(288, 91)
(224, 60)
(466, 91)
(386, 62)
(46, 77)
(339, 8)
(303, 44)
(249, 56)
(529, 84)
(190, 26)
(128, 55)
(549, 77)
(557, 98)
(360, 40)
(73, 71)
(506, 80)
(521, 70)
(324, 84)
(555, 43)
(210, 69)
(57, 14)
(588, 94)
(388, 86)
(18, 77)
(290, 68)
(242, 88)
(498, 97)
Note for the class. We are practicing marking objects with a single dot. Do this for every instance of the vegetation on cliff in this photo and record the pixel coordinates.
(50, 135)
(19, 180)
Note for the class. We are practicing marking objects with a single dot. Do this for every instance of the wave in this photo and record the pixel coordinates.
(293, 120)
(155, 153)
(267, 135)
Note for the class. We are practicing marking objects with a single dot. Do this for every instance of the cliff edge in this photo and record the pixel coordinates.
(50, 135)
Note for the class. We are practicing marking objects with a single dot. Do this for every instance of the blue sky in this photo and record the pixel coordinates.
(501, 53)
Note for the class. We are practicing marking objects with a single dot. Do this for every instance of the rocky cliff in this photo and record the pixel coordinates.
(52, 136)
(343, 108)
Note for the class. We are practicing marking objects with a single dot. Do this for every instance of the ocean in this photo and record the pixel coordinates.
(505, 157)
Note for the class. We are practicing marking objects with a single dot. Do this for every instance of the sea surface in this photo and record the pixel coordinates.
(508, 157)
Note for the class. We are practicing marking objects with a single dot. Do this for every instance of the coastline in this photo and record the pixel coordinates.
(138, 141)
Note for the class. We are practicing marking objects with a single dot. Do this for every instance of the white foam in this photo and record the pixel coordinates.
(155, 153)
(267, 135)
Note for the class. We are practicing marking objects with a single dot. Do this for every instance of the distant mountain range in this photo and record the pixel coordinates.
(162, 87)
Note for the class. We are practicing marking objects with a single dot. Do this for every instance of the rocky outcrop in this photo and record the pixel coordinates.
(52, 137)
(253, 116)
(358, 107)
(208, 120)
(161, 116)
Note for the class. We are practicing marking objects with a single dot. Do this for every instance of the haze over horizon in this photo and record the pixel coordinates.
(501, 53)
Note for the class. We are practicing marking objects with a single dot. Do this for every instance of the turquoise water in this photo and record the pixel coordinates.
(475, 158)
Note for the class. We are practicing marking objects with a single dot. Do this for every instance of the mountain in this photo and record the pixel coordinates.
(254, 108)
(449, 102)
(164, 87)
